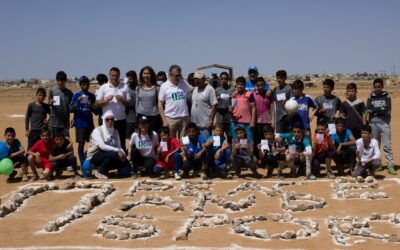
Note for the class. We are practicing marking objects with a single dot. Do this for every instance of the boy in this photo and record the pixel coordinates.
(38, 155)
(300, 152)
(305, 102)
(223, 94)
(35, 118)
(281, 94)
(242, 153)
(273, 155)
(83, 105)
(62, 156)
(368, 153)
(353, 111)
(16, 153)
(328, 105)
(218, 152)
(379, 107)
(193, 152)
(243, 109)
(169, 157)
(344, 144)
(59, 99)
(322, 147)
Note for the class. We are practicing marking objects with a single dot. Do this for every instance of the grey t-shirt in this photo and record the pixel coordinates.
(202, 102)
(130, 111)
(59, 114)
(223, 115)
(331, 103)
(146, 101)
(280, 110)
(35, 116)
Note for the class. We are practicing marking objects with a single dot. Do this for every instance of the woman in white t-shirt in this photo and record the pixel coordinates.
(143, 146)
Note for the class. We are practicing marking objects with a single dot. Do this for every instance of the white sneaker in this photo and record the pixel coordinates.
(177, 176)
(100, 175)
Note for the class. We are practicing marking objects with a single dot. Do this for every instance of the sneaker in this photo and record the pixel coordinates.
(331, 175)
(177, 176)
(100, 176)
(256, 174)
(191, 172)
(134, 175)
(35, 177)
(280, 176)
(392, 171)
(380, 169)
(204, 176)
(311, 177)
(228, 176)
(11, 176)
(293, 173)
(25, 178)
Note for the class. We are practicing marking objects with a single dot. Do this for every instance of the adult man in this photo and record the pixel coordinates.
(173, 94)
(251, 83)
(204, 104)
(114, 96)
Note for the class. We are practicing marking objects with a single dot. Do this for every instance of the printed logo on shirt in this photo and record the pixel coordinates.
(144, 144)
(177, 96)
(379, 103)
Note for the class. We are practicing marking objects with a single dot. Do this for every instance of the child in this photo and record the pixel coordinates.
(344, 143)
(143, 146)
(38, 155)
(272, 156)
(353, 111)
(328, 105)
(368, 153)
(379, 106)
(300, 153)
(218, 152)
(322, 147)
(243, 109)
(169, 157)
(62, 156)
(16, 153)
(223, 94)
(242, 153)
(35, 118)
(59, 100)
(305, 103)
(193, 152)
(281, 94)
(83, 105)
(264, 110)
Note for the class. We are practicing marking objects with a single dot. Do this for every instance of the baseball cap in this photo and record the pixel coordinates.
(143, 119)
(253, 68)
(83, 79)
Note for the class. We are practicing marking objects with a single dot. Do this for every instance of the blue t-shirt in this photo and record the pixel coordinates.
(213, 149)
(301, 145)
(195, 147)
(305, 102)
(83, 114)
(345, 137)
(249, 86)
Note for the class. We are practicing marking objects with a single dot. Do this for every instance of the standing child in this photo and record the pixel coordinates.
(281, 93)
(322, 148)
(38, 155)
(218, 152)
(35, 118)
(368, 153)
(169, 157)
(193, 152)
(273, 155)
(16, 153)
(328, 105)
(379, 106)
(353, 111)
(83, 105)
(59, 99)
(242, 153)
(62, 156)
(223, 94)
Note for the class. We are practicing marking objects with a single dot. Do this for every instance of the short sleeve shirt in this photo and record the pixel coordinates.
(341, 138)
(43, 149)
(371, 151)
(172, 144)
(301, 145)
(145, 145)
(263, 108)
(280, 111)
(331, 103)
(196, 146)
(14, 147)
(305, 102)
(59, 114)
(83, 115)
(223, 115)
(249, 86)
(202, 102)
(58, 150)
(242, 108)
(115, 106)
(213, 149)
(174, 97)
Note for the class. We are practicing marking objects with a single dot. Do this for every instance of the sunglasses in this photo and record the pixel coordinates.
(109, 119)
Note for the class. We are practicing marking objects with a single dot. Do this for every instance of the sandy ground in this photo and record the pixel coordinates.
(21, 229)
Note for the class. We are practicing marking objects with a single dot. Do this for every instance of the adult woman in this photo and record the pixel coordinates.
(147, 97)
(110, 154)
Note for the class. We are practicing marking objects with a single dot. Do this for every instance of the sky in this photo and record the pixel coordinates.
(39, 38)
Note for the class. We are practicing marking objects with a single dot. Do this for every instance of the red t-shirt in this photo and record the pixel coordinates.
(173, 144)
(320, 146)
(43, 149)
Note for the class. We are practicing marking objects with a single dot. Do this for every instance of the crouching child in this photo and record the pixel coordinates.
(62, 156)
(368, 153)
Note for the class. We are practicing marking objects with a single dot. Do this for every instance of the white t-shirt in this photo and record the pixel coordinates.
(116, 107)
(367, 152)
(174, 97)
(145, 145)
(202, 102)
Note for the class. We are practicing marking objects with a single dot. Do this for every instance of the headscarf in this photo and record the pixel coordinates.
(108, 132)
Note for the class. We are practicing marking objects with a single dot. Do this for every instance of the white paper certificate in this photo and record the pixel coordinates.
(225, 96)
(281, 97)
(56, 100)
(327, 105)
(320, 138)
(264, 145)
(185, 140)
(292, 149)
(243, 143)
(217, 141)
(84, 99)
(164, 146)
(332, 128)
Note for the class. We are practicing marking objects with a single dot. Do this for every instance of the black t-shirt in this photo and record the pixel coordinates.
(57, 150)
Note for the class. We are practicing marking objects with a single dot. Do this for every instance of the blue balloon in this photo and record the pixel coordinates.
(3, 150)
(124, 171)
(86, 169)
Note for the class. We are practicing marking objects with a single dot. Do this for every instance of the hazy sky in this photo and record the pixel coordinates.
(38, 38)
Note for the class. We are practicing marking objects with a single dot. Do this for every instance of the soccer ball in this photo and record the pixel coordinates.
(291, 106)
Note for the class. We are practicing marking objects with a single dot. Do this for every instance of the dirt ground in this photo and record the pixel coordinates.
(24, 227)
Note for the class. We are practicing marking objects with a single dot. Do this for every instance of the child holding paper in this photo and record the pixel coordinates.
(328, 105)
(218, 152)
(322, 147)
(193, 152)
(169, 157)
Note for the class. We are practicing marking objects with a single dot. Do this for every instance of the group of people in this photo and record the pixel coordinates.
(187, 128)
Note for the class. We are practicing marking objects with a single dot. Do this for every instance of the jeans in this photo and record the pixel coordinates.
(219, 164)
(177, 164)
(381, 132)
(107, 160)
(346, 155)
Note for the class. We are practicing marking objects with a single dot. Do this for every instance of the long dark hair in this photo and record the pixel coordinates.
(153, 76)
